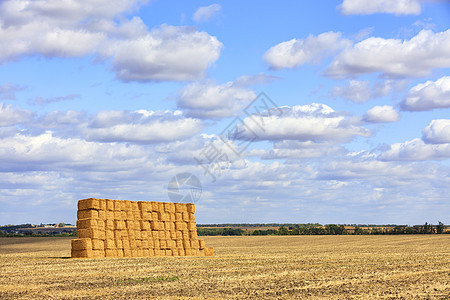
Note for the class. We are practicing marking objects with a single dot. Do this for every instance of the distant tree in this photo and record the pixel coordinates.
(283, 231)
(440, 227)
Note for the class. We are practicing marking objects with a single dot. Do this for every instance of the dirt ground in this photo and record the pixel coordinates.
(247, 267)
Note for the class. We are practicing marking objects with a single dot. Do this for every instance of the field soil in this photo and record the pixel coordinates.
(247, 267)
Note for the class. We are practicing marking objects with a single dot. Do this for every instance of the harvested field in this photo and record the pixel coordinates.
(265, 267)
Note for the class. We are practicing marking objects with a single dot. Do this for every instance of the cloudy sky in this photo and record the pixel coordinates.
(326, 111)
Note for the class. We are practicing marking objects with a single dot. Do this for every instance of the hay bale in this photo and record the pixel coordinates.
(102, 204)
(110, 244)
(201, 244)
(190, 207)
(110, 253)
(87, 214)
(87, 223)
(185, 216)
(192, 226)
(91, 233)
(169, 252)
(209, 251)
(180, 207)
(109, 204)
(102, 214)
(120, 253)
(109, 234)
(181, 252)
(98, 253)
(119, 243)
(82, 254)
(109, 215)
(98, 244)
(191, 217)
(81, 244)
(178, 216)
(87, 204)
(127, 253)
(193, 234)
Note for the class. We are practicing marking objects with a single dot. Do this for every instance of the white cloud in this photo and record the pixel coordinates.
(77, 28)
(208, 100)
(361, 91)
(437, 132)
(357, 91)
(429, 95)
(12, 116)
(314, 122)
(292, 149)
(140, 127)
(8, 91)
(416, 150)
(205, 13)
(397, 7)
(162, 55)
(296, 52)
(381, 114)
(393, 57)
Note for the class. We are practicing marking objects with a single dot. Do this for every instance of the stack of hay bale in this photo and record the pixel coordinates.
(122, 228)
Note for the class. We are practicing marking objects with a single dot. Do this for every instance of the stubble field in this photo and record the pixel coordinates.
(267, 267)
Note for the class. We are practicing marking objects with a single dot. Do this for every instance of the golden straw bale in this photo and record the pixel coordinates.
(180, 207)
(179, 234)
(209, 251)
(128, 205)
(134, 206)
(178, 216)
(91, 233)
(144, 244)
(127, 253)
(102, 214)
(119, 252)
(162, 234)
(110, 253)
(191, 217)
(136, 214)
(130, 215)
(156, 243)
(109, 204)
(193, 234)
(154, 216)
(169, 252)
(145, 253)
(160, 207)
(186, 243)
(125, 243)
(87, 223)
(109, 224)
(173, 234)
(109, 234)
(162, 244)
(100, 253)
(181, 252)
(150, 243)
(90, 203)
(188, 252)
(87, 214)
(138, 244)
(133, 245)
(179, 244)
(98, 244)
(155, 206)
(195, 245)
(190, 207)
(144, 235)
(192, 226)
(151, 252)
(110, 244)
(201, 252)
(82, 253)
(109, 215)
(185, 216)
(167, 225)
(82, 244)
(119, 243)
(102, 204)
(119, 224)
(201, 244)
(143, 205)
(133, 253)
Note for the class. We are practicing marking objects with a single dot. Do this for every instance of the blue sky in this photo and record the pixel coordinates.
(112, 99)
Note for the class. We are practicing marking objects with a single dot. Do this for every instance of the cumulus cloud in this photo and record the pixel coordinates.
(162, 55)
(437, 132)
(77, 28)
(207, 100)
(205, 13)
(381, 114)
(314, 122)
(361, 91)
(393, 57)
(416, 150)
(398, 7)
(356, 91)
(140, 126)
(296, 52)
(429, 95)
(13, 116)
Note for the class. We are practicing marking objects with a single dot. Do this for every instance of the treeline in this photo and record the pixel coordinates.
(329, 229)
(30, 233)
